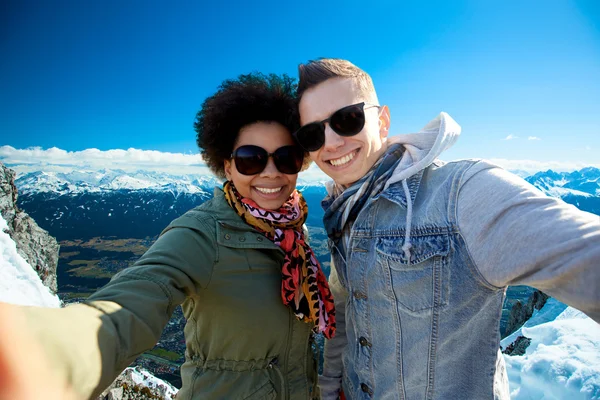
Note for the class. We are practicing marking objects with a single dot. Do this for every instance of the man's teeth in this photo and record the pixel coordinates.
(342, 160)
(268, 190)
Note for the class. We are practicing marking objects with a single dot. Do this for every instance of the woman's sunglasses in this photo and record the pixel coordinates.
(251, 160)
(347, 121)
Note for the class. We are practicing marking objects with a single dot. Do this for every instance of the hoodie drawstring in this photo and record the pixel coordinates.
(407, 245)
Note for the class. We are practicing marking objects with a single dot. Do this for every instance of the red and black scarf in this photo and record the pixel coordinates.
(304, 287)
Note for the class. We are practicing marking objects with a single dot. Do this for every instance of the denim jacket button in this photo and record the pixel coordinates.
(227, 236)
(363, 341)
(359, 295)
(364, 387)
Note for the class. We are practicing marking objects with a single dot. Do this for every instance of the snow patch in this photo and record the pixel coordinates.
(19, 284)
(563, 359)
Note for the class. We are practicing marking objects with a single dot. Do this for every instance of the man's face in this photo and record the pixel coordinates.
(345, 159)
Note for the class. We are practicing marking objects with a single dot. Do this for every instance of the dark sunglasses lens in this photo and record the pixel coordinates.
(311, 136)
(250, 160)
(348, 121)
(288, 159)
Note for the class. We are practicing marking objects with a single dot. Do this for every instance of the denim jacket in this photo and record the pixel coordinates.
(427, 326)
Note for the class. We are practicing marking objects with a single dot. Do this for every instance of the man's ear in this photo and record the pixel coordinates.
(384, 121)
(227, 166)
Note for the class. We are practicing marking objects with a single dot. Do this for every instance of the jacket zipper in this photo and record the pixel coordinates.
(312, 364)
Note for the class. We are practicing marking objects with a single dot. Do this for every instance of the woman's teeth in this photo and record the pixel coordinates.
(268, 190)
(343, 160)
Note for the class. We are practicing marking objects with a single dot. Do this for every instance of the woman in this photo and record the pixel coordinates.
(251, 289)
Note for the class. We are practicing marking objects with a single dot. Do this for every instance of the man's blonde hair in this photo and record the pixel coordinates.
(318, 71)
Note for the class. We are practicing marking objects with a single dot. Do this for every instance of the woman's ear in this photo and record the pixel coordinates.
(227, 167)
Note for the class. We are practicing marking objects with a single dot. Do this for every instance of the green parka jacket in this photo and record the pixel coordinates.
(241, 341)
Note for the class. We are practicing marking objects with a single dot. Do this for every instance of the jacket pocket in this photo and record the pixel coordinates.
(264, 392)
(418, 283)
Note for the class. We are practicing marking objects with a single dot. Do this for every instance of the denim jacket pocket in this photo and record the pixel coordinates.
(419, 283)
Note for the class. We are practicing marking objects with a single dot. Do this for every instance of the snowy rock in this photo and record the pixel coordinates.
(518, 347)
(78, 182)
(137, 383)
(35, 245)
(562, 360)
(521, 313)
(19, 284)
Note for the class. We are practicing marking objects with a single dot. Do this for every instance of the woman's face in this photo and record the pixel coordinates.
(269, 188)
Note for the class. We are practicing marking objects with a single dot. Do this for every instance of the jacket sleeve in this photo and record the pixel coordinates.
(330, 381)
(516, 235)
(89, 344)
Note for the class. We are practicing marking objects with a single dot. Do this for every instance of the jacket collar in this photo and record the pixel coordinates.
(231, 230)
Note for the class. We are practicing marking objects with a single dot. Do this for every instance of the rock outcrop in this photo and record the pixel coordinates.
(138, 384)
(520, 313)
(518, 347)
(34, 244)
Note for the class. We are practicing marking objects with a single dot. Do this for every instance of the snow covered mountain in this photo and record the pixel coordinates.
(580, 188)
(83, 204)
(86, 204)
(584, 182)
(78, 182)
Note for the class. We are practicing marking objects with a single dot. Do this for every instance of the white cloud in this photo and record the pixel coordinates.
(55, 159)
(533, 138)
(588, 148)
(511, 137)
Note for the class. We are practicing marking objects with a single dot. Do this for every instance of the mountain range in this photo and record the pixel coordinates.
(580, 188)
(117, 203)
(85, 204)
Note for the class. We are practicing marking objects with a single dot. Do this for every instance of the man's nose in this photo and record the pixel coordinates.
(332, 139)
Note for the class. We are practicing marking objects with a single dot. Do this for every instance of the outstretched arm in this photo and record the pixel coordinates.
(516, 235)
(89, 344)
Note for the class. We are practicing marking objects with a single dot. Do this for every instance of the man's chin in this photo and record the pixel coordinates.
(343, 179)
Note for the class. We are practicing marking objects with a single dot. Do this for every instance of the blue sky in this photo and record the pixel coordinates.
(119, 75)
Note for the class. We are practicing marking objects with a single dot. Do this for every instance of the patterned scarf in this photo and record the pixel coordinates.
(343, 205)
(304, 287)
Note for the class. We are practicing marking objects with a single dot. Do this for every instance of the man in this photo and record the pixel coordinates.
(423, 250)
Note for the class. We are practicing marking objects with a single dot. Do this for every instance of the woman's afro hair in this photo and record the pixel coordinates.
(239, 102)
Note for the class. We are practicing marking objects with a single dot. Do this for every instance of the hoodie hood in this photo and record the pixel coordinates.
(423, 147)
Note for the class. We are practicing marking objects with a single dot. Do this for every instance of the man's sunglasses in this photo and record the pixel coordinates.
(251, 160)
(347, 121)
